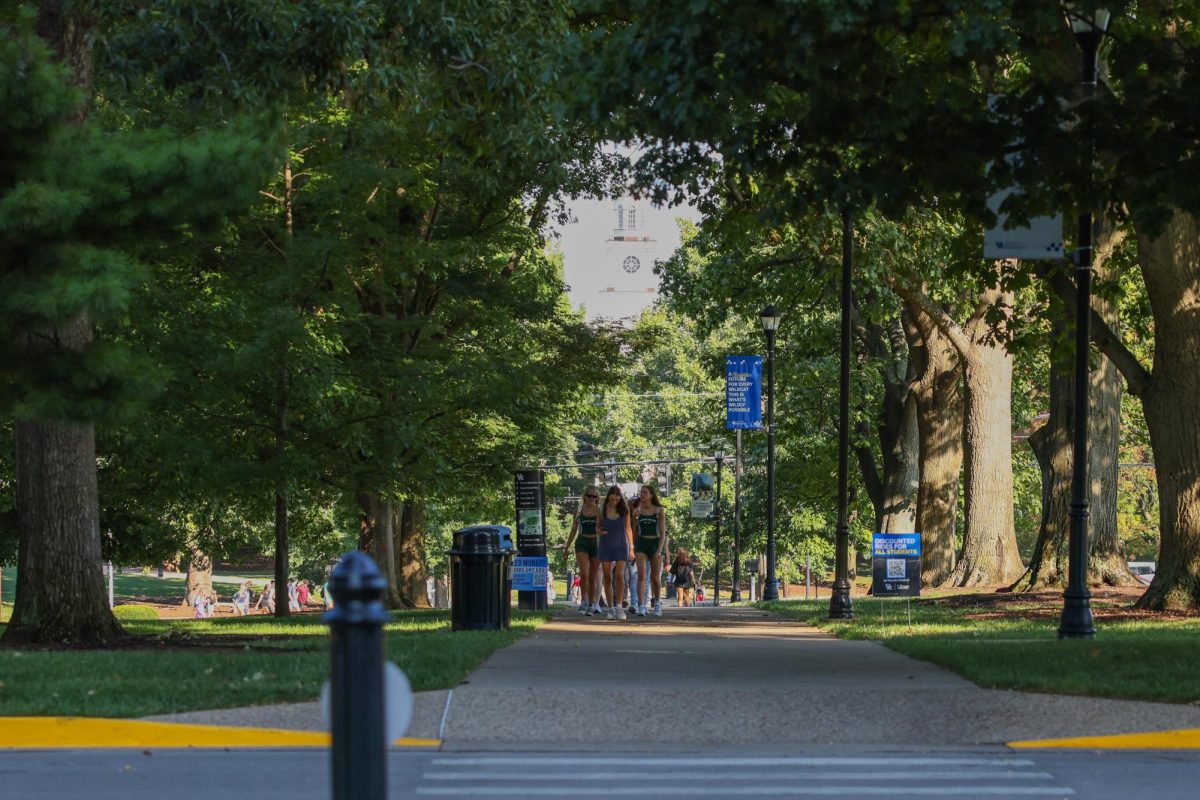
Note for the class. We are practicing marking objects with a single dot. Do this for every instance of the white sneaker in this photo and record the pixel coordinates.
(609, 613)
(641, 611)
(658, 608)
(620, 613)
(584, 608)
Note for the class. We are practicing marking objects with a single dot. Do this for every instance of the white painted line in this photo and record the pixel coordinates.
(633, 761)
(445, 713)
(700, 775)
(756, 791)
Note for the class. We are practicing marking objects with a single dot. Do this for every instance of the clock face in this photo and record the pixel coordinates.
(631, 264)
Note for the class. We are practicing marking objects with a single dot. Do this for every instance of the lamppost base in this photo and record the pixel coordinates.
(1076, 622)
(840, 605)
(771, 590)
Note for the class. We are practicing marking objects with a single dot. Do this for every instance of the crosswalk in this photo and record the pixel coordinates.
(640, 775)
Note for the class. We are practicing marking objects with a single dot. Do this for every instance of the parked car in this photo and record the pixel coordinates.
(1143, 570)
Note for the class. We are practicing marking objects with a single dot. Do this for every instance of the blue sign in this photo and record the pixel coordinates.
(529, 573)
(743, 392)
(895, 564)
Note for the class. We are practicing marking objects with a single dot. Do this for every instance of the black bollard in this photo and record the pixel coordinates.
(356, 708)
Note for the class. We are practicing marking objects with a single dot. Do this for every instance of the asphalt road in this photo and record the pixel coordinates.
(726, 772)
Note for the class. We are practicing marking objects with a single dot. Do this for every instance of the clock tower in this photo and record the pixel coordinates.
(630, 252)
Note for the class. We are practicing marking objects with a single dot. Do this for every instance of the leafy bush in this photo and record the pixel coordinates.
(134, 612)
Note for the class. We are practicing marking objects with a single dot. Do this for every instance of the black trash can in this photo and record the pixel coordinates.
(479, 572)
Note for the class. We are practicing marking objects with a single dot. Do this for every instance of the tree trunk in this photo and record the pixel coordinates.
(989, 553)
(199, 575)
(60, 588)
(61, 596)
(377, 532)
(1051, 445)
(410, 564)
(282, 556)
(1171, 399)
(939, 400)
(901, 473)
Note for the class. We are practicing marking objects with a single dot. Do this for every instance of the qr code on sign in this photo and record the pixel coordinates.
(895, 568)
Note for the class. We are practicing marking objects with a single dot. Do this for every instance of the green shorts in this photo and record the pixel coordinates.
(646, 545)
(589, 545)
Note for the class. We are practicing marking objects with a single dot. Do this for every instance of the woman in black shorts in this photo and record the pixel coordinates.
(587, 526)
(648, 545)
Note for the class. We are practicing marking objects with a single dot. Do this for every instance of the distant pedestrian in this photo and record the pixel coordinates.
(326, 597)
(266, 600)
(241, 600)
(302, 593)
(551, 594)
(683, 577)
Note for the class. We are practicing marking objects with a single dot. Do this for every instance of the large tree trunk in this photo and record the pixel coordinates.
(1171, 399)
(901, 471)
(938, 395)
(60, 588)
(989, 554)
(1051, 445)
(282, 555)
(411, 570)
(199, 575)
(377, 532)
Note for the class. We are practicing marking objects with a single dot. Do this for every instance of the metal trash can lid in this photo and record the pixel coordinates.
(482, 539)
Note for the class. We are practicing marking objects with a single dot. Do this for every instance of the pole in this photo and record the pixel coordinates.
(110, 585)
(840, 606)
(735, 595)
(770, 590)
(717, 521)
(1076, 622)
(807, 574)
(356, 683)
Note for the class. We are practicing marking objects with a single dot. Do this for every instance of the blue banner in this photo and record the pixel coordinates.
(743, 392)
(529, 573)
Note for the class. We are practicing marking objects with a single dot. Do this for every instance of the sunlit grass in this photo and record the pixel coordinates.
(1014, 645)
(222, 663)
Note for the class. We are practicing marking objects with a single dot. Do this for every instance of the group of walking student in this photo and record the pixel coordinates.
(609, 534)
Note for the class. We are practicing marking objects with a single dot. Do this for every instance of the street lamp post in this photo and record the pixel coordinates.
(840, 605)
(1076, 622)
(717, 523)
(770, 324)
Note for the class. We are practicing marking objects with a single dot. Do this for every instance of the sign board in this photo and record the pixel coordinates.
(1040, 240)
(702, 495)
(531, 528)
(896, 564)
(743, 392)
(529, 573)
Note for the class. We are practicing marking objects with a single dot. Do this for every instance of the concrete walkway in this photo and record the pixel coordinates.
(743, 678)
(729, 677)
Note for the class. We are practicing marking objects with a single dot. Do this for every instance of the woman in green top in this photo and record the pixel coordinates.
(586, 524)
(648, 544)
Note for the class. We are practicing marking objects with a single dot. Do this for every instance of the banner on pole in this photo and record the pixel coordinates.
(702, 495)
(743, 392)
(896, 564)
(531, 528)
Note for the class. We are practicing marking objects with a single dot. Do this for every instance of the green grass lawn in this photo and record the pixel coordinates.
(135, 587)
(199, 664)
(1014, 645)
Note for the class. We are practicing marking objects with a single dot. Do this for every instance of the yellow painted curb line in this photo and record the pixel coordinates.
(89, 732)
(1183, 739)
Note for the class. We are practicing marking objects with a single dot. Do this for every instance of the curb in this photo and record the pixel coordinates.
(1183, 739)
(96, 733)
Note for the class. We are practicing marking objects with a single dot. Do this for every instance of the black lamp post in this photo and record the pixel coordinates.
(1076, 623)
(770, 324)
(840, 605)
(720, 456)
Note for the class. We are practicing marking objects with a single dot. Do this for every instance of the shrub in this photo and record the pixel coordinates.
(134, 612)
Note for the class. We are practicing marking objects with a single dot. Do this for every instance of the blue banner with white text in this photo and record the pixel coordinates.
(743, 392)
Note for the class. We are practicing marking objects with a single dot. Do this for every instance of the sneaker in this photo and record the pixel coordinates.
(658, 608)
(584, 608)
(621, 613)
(641, 611)
(609, 613)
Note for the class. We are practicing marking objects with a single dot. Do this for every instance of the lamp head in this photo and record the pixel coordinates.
(770, 319)
(1087, 23)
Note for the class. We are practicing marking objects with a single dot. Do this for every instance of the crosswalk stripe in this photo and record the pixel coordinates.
(700, 775)
(753, 791)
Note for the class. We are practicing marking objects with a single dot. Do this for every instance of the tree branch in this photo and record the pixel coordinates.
(936, 314)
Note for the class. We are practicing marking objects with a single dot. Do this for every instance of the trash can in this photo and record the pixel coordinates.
(479, 574)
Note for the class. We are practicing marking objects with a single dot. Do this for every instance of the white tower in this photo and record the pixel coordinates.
(630, 254)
